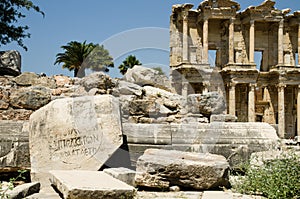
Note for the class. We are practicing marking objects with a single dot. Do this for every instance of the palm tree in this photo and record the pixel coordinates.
(129, 62)
(79, 56)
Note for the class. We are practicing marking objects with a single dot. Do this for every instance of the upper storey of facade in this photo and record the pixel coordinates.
(217, 33)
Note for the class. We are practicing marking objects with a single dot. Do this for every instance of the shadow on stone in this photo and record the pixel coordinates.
(120, 158)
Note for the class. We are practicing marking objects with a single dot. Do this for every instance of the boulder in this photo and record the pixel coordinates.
(62, 81)
(74, 133)
(96, 80)
(161, 169)
(144, 76)
(30, 97)
(26, 79)
(128, 88)
(10, 63)
(206, 104)
(33, 79)
(90, 185)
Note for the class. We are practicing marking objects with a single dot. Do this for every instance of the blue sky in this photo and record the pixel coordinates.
(139, 27)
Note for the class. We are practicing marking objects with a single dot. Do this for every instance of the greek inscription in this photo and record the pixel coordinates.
(74, 143)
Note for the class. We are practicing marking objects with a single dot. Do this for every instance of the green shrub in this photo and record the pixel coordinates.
(10, 184)
(275, 179)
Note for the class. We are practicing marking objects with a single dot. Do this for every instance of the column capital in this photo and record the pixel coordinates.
(281, 23)
(232, 20)
(252, 22)
(205, 18)
(232, 84)
(281, 87)
(185, 15)
(252, 86)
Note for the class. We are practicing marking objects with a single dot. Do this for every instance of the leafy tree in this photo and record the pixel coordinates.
(79, 56)
(129, 62)
(159, 69)
(10, 14)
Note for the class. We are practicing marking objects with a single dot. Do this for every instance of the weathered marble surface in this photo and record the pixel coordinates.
(161, 169)
(90, 185)
(74, 133)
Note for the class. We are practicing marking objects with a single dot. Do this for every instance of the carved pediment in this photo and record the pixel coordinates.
(181, 7)
(213, 4)
(267, 8)
(266, 5)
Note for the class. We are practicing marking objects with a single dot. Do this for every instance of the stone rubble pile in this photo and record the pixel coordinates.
(143, 98)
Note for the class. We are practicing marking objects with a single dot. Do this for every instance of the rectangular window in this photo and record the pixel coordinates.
(258, 60)
(212, 57)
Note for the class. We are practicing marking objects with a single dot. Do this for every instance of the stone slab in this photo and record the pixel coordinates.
(74, 133)
(123, 174)
(78, 184)
(159, 134)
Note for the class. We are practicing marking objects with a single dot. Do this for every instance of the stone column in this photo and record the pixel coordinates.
(185, 89)
(251, 41)
(231, 41)
(281, 119)
(185, 39)
(298, 111)
(298, 44)
(205, 41)
(280, 43)
(251, 103)
(231, 106)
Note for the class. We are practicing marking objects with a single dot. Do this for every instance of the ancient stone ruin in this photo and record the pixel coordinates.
(98, 137)
(254, 54)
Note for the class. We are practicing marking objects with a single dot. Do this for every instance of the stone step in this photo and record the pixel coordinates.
(78, 184)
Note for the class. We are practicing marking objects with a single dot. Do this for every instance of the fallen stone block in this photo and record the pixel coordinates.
(74, 133)
(164, 168)
(23, 190)
(145, 76)
(78, 184)
(123, 174)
